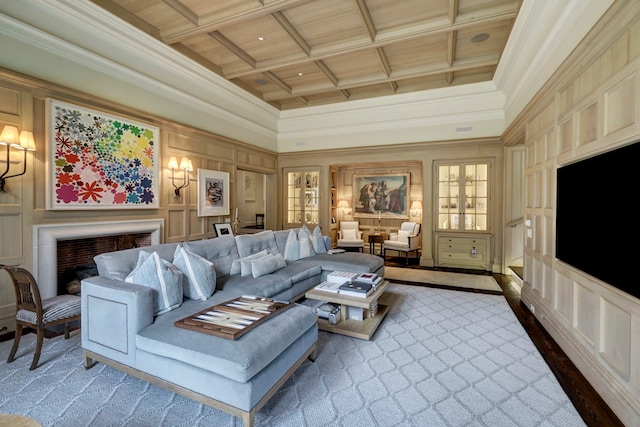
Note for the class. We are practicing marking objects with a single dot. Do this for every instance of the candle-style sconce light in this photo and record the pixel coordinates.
(22, 141)
(186, 166)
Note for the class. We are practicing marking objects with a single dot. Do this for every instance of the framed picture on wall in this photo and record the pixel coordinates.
(100, 161)
(213, 193)
(381, 196)
(223, 229)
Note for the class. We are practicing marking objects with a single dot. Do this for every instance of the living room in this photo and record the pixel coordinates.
(601, 72)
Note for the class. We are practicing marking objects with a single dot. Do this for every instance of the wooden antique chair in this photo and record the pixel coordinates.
(350, 236)
(406, 239)
(35, 313)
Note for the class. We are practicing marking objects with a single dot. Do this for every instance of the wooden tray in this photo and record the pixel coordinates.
(234, 318)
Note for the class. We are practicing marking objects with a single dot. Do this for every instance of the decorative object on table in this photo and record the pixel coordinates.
(100, 161)
(341, 277)
(378, 196)
(186, 166)
(328, 311)
(22, 141)
(223, 229)
(233, 318)
(213, 193)
(356, 289)
(332, 287)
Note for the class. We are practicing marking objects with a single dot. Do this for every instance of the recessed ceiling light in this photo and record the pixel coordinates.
(479, 38)
(260, 38)
(261, 81)
(299, 74)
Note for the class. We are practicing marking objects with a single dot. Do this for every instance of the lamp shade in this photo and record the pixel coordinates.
(27, 142)
(416, 205)
(10, 136)
(343, 204)
(173, 163)
(185, 164)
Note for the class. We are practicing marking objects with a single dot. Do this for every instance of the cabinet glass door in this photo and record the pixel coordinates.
(463, 196)
(302, 202)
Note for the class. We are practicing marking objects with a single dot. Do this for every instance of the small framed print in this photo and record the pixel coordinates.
(223, 229)
(213, 193)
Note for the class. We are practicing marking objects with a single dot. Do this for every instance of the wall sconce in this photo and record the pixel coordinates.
(23, 141)
(416, 208)
(344, 205)
(186, 166)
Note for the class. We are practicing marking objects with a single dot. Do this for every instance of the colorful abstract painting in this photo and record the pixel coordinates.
(98, 161)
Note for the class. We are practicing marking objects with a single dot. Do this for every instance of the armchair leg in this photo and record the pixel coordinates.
(16, 343)
(36, 355)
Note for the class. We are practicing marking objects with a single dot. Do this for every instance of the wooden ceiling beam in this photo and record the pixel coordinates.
(290, 29)
(232, 47)
(128, 17)
(215, 22)
(327, 72)
(275, 79)
(366, 19)
(451, 47)
(453, 10)
(384, 38)
(182, 10)
(382, 56)
(488, 60)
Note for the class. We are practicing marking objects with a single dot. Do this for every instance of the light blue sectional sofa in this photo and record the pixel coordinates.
(129, 310)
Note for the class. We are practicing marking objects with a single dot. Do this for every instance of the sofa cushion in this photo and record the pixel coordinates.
(161, 276)
(221, 251)
(117, 265)
(317, 240)
(354, 262)
(267, 265)
(199, 274)
(239, 359)
(268, 285)
(297, 247)
(236, 266)
(249, 244)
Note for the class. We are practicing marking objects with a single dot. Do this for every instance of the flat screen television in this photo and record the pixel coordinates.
(597, 218)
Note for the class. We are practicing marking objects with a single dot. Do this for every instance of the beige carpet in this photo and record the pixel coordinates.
(443, 278)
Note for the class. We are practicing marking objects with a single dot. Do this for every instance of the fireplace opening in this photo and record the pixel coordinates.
(75, 257)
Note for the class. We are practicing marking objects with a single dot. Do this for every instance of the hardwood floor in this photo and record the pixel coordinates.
(594, 411)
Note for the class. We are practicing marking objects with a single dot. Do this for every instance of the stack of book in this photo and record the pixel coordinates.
(341, 277)
(328, 287)
(356, 289)
(369, 278)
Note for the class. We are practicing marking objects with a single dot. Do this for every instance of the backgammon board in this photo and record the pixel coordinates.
(233, 318)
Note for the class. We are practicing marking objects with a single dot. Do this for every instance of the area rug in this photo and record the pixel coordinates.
(443, 278)
(440, 358)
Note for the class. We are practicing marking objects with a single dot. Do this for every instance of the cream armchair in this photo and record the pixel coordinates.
(406, 240)
(350, 236)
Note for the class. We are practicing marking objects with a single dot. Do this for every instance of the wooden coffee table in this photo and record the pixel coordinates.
(363, 329)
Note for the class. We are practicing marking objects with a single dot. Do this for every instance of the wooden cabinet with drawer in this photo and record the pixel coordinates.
(473, 251)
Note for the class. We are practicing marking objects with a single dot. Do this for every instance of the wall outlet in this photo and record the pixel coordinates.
(532, 308)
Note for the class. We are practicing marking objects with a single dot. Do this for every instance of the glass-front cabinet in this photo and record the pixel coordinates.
(302, 189)
(463, 196)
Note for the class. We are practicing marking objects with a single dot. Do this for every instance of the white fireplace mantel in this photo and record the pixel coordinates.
(46, 236)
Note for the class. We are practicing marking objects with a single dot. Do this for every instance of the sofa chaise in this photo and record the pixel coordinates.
(128, 323)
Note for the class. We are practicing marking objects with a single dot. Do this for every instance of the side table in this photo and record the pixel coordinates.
(374, 238)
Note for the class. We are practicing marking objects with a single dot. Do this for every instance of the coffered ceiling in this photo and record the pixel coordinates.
(297, 53)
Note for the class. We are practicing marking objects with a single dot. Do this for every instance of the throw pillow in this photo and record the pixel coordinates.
(349, 234)
(245, 264)
(161, 276)
(297, 248)
(403, 236)
(267, 265)
(317, 239)
(199, 281)
(305, 233)
(236, 265)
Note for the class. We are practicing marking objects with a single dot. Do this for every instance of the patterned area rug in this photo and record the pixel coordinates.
(443, 278)
(440, 358)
